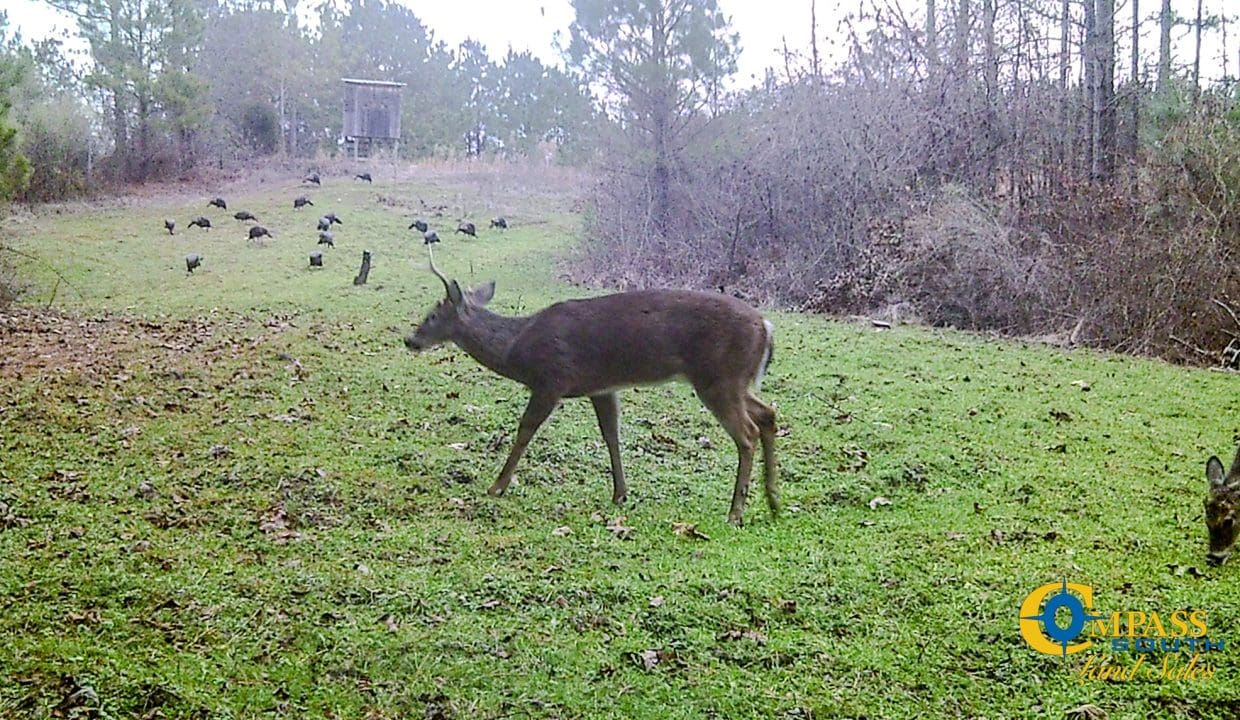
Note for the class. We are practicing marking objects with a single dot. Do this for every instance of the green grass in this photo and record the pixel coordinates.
(235, 494)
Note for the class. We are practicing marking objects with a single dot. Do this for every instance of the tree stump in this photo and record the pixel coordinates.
(364, 271)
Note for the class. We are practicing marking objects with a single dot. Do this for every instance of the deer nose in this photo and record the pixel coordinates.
(1217, 557)
(411, 342)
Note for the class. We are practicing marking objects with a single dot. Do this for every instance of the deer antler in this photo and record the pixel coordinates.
(430, 254)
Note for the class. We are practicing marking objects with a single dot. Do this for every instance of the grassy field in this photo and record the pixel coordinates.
(235, 494)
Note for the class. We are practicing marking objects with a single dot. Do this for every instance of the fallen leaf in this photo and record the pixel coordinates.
(656, 601)
(562, 531)
(458, 446)
(1089, 712)
(1084, 386)
(689, 530)
(878, 501)
(649, 658)
(954, 535)
(618, 528)
(1182, 570)
(746, 634)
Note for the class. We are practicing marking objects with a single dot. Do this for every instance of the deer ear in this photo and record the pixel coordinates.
(455, 294)
(482, 295)
(1234, 473)
(1214, 473)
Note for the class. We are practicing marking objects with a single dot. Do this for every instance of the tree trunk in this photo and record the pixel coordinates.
(1102, 154)
(1164, 48)
(1136, 91)
(960, 50)
(120, 108)
(1065, 107)
(1089, 68)
(813, 39)
(990, 73)
(660, 122)
(1197, 52)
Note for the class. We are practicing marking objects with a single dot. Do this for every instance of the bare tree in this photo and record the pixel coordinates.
(1197, 48)
(1165, 20)
(1100, 64)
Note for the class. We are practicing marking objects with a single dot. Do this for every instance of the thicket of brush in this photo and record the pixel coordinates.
(971, 193)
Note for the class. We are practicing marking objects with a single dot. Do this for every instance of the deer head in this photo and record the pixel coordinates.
(442, 321)
(1221, 507)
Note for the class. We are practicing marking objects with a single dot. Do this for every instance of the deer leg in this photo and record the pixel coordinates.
(763, 416)
(536, 412)
(729, 406)
(607, 409)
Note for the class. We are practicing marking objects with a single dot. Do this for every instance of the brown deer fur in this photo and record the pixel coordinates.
(598, 346)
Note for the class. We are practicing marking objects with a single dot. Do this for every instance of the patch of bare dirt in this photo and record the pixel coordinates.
(44, 344)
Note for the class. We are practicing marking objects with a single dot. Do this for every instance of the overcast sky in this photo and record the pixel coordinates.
(763, 26)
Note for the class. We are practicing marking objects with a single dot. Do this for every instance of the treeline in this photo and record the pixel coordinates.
(1022, 167)
(173, 86)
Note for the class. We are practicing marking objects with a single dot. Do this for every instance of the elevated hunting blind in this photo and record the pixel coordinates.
(371, 115)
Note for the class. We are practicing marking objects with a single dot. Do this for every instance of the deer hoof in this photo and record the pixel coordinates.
(496, 490)
(735, 520)
(618, 499)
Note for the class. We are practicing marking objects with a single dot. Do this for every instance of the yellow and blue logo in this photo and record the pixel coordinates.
(1060, 619)
(1040, 615)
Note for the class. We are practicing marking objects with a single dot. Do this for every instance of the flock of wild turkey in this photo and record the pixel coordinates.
(257, 232)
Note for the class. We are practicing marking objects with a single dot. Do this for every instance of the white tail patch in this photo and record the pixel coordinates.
(766, 353)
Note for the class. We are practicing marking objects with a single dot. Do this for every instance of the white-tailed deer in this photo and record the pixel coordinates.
(598, 346)
(1221, 506)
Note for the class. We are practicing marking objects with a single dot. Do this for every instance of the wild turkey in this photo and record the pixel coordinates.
(331, 217)
(325, 238)
(170, 225)
(324, 224)
(312, 178)
(420, 224)
(430, 237)
(258, 231)
(201, 222)
(316, 259)
(500, 223)
(363, 176)
(219, 203)
(468, 229)
(244, 215)
(301, 202)
(192, 261)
